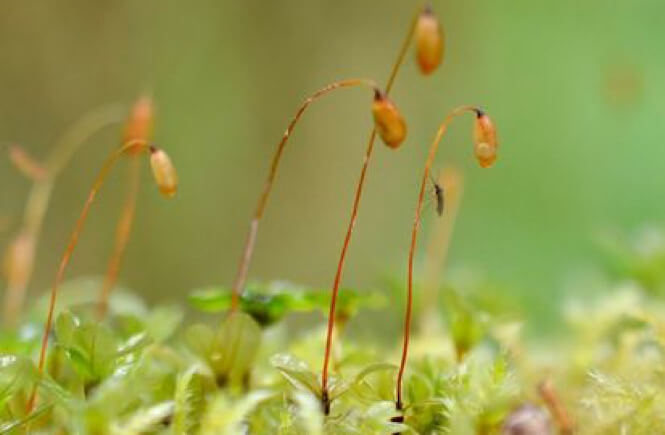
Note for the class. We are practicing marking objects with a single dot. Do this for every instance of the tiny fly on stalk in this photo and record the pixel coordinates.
(438, 193)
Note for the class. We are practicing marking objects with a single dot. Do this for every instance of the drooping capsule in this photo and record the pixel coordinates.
(164, 172)
(429, 41)
(484, 138)
(26, 164)
(388, 120)
(19, 259)
(139, 125)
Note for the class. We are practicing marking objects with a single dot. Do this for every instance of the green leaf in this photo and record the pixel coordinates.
(163, 321)
(211, 299)
(297, 372)
(134, 343)
(375, 382)
(16, 373)
(309, 409)
(199, 338)
(145, 420)
(266, 304)
(235, 346)
(80, 362)
(65, 327)
(225, 417)
(189, 400)
(99, 345)
(13, 426)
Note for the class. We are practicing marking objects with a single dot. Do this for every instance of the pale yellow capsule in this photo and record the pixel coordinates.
(388, 120)
(164, 172)
(429, 41)
(484, 138)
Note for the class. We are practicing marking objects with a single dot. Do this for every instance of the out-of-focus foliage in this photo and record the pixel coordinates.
(149, 371)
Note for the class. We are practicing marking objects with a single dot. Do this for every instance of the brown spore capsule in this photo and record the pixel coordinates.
(139, 125)
(164, 172)
(429, 41)
(388, 120)
(484, 138)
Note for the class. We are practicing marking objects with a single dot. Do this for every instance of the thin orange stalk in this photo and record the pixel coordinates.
(556, 407)
(73, 240)
(352, 222)
(416, 224)
(243, 268)
(123, 230)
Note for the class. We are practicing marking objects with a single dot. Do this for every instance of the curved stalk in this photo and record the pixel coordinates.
(352, 222)
(414, 234)
(122, 232)
(40, 195)
(73, 240)
(243, 267)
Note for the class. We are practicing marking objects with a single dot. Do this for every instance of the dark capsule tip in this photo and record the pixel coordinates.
(153, 148)
(379, 94)
(427, 9)
(479, 112)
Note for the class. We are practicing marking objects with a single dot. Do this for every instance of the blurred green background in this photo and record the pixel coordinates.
(575, 89)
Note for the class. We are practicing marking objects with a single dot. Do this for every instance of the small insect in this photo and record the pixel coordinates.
(438, 192)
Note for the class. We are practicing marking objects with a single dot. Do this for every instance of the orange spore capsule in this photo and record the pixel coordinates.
(429, 41)
(388, 120)
(164, 172)
(484, 138)
(139, 125)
